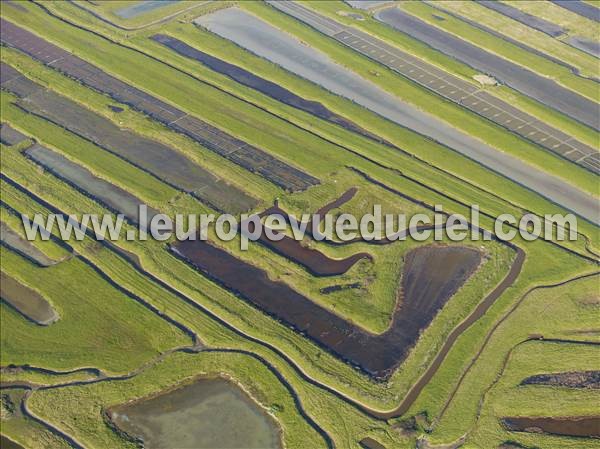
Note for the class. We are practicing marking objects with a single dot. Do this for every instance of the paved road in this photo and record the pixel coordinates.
(538, 87)
(263, 39)
(451, 87)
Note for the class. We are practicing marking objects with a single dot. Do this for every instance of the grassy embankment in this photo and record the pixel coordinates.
(24, 430)
(560, 312)
(458, 117)
(107, 10)
(573, 23)
(507, 50)
(98, 326)
(153, 254)
(430, 350)
(322, 406)
(585, 63)
(413, 143)
(509, 399)
(176, 369)
(385, 156)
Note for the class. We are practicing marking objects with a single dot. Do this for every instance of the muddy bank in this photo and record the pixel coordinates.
(576, 426)
(140, 8)
(26, 301)
(572, 379)
(208, 413)
(10, 136)
(24, 247)
(339, 287)
(113, 197)
(370, 443)
(424, 292)
(212, 138)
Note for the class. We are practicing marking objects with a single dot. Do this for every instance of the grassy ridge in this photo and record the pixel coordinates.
(387, 156)
(186, 280)
(507, 398)
(115, 339)
(264, 387)
(507, 50)
(26, 431)
(575, 24)
(585, 63)
(552, 312)
(545, 263)
(324, 407)
(457, 68)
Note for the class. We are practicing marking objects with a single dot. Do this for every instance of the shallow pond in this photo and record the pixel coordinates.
(209, 413)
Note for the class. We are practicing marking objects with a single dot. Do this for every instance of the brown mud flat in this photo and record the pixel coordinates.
(211, 137)
(26, 301)
(339, 287)
(571, 379)
(440, 270)
(573, 426)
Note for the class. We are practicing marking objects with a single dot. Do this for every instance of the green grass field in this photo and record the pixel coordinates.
(132, 316)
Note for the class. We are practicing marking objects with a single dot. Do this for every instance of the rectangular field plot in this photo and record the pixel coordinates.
(112, 196)
(425, 292)
(163, 162)
(274, 170)
(439, 81)
(24, 247)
